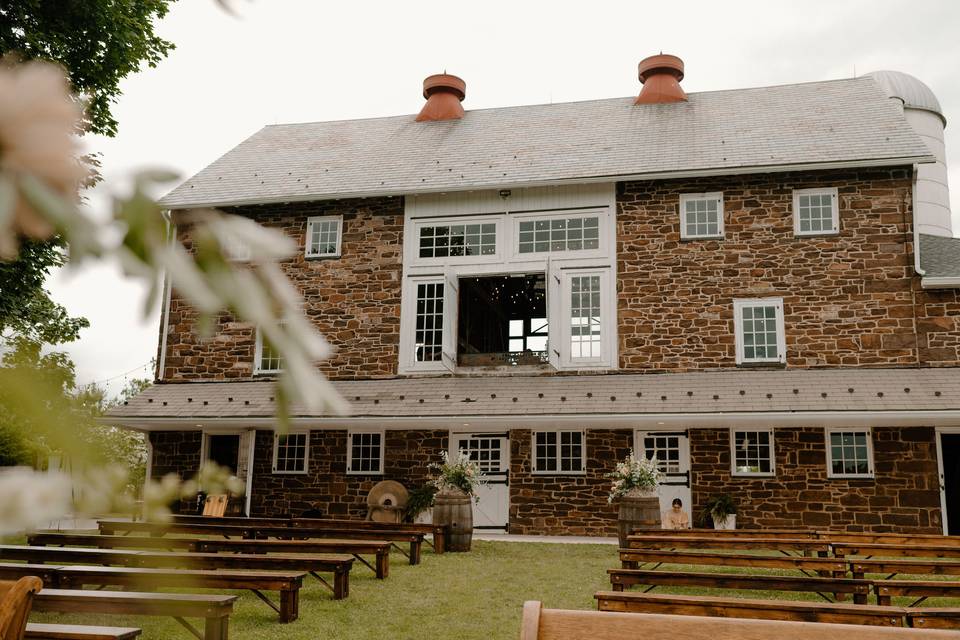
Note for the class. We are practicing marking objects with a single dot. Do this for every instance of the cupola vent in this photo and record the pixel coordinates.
(661, 76)
(444, 93)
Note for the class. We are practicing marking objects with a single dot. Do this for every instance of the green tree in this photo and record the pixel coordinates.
(98, 42)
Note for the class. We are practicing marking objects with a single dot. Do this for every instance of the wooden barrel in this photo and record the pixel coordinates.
(637, 513)
(455, 511)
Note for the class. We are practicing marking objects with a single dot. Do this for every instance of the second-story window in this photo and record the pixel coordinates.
(323, 236)
(585, 325)
(429, 322)
(267, 359)
(815, 212)
(558, 234)
(759, 330)
(701, 215)
(456, 240)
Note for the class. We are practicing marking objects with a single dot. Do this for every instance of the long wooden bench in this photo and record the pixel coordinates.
(862, 566)
(632, 602)
(623, 578)
(707, 542)
(559, 624)
(215, 610)
(632, 558)
(286, 583)
(380, 549)
(920, 589)
(912, 550)
(44, 631)
(256, 532)
(339, 565)
(865, 537)
(438, 531)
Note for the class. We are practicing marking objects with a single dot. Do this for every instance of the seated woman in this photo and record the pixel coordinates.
(676, 517)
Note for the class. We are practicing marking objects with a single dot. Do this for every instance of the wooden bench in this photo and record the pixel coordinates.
(828, 536)
(559, 624)
(705, 542)
(861, 566)
(438, 531)
(16, 598)
(215, 610)
(912, 550)
(380, 549)
(920, 589)
(256, 532)
(632, 558)
(339, 565)
(43, 631)
(632, 602)
(859, 589)
(934, 618)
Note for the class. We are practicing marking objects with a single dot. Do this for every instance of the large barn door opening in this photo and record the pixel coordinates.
(671, 450)
(492, 452)
(950, 481)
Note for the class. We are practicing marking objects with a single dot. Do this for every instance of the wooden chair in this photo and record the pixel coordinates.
(15, 600)
(215, 505)
(559, 624)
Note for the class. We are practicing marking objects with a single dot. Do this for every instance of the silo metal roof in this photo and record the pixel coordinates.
(914, 93)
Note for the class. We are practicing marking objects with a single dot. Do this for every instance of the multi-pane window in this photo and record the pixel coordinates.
(585, 325)
(849, 453)
(815, 212)
(365, 452)
(558, 451)
(455, 240)
(528, 334)
(429, 329)
(752, 452)
(665, 449)
(558, 234)
(759, 330)
(268, 359)
(701, 215)
(323, 236)
(290, 453)
(486, 452)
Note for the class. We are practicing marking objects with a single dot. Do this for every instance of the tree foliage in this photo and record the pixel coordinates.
(98, 42)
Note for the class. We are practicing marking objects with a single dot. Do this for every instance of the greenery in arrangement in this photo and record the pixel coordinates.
(716, 509)
(457, 474)
(419, 501)
(633, 473)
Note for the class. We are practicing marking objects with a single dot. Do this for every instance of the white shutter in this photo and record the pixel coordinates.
(555, 317)
(451, 297)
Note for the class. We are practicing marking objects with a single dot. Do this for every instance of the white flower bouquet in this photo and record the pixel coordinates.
(633, 473)
(459, 473)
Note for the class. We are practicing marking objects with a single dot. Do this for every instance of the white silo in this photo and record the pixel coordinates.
(922, 111)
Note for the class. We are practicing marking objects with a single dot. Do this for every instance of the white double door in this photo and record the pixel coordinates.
(492, 452)
(671, 450)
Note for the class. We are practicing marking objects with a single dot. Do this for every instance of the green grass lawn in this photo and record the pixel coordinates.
(467, 596)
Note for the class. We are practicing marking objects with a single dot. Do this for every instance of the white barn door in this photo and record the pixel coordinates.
(492, 452)
(671, 450)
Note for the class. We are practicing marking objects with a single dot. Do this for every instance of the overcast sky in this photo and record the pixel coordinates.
(287, 61)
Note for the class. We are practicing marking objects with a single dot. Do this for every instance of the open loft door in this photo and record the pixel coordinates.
(451, 295)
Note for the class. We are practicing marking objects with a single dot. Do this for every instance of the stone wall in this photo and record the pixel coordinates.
(175, 452)
(904, 495)
(326, 486)
(848, 299)
(353, 300)
(573, 505)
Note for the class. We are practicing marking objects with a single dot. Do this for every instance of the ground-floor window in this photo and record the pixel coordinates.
(365, 452)
(751, 452)
(849, 453)
(290, 452)
(558, 452)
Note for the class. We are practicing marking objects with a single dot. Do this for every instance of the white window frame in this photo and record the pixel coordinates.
(258, 357)
(835, 211)
(306, 452)
(559, 472)
(602, 223)
(733, 453)
(687, 197)
(829, 453)
(561, 326)
(738, 306)
(408, 356)
(383, 447)
(317, 219)
(499, 238)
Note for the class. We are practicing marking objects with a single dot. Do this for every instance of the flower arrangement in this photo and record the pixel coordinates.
(458, 473)
(633, 473)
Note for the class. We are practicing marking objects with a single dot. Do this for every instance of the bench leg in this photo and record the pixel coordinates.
(628, 564)
(341, 584)
(439, 543)
(617, 586)
(383, 564)
(859, 598)
(289, 605)
(216, 628)
(883, 601)
(414, 552)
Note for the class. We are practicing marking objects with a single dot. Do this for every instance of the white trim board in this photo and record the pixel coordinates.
(891, 418)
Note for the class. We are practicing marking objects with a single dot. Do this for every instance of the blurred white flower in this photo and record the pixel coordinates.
(31, 499)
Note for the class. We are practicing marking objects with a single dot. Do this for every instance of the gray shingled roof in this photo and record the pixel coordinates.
(939, 256)
(821, 122)
(702, 392)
